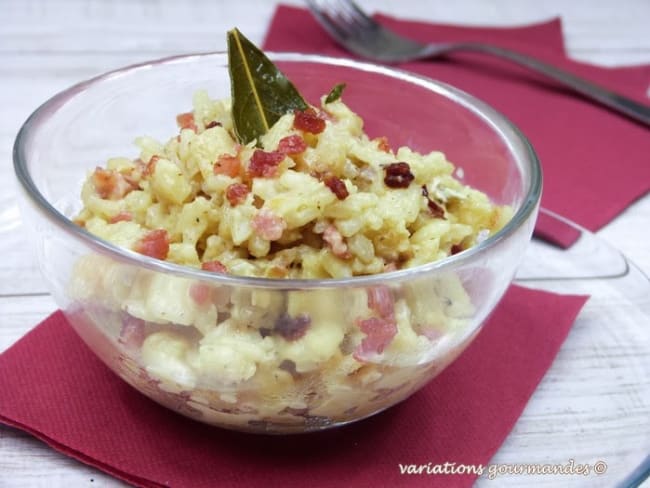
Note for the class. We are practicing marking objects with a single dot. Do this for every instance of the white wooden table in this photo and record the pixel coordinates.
(47, 45)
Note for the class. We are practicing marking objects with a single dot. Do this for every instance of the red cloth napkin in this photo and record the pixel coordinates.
(595, 161)
(55, 388)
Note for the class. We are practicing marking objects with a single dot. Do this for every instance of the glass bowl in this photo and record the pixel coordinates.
(241, 381)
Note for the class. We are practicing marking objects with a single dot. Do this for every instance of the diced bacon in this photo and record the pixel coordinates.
(382, 143)
(434, 208)
(308, 121)
(431, 334)
(150, 167)
(292, 328)
(132, 333)
(186, 121)
(380, 300)
(104, 182)
(110, 184)
(264, 164)
(236, 193)
(204, 293)
(379, 333)
(334, 239)
(289, 366)
(134, 175)
(398, 175)
(154, 244)
(213, 124)
(227, 165)
(337, 186)
(268, 226)
(293, 144)
(123, 216)
(456, 248)
(201, 293)
(214, 266)
(388, 267)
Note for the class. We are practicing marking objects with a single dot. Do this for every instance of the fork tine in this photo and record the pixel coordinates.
(359, 33)
(331, 19)
(357, 15)
(344, 20)
(346, 16)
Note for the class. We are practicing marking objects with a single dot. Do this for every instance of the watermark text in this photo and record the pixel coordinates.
(492, 471)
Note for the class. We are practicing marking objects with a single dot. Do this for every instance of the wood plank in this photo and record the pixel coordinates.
(21, 453)
(164, 27)
(21, 313)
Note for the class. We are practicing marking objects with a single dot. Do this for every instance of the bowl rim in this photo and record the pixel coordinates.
(517, 143)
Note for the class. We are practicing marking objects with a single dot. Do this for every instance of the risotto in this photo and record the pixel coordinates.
(316, 198)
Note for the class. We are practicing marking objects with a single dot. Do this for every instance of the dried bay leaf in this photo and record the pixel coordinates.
(261, 94)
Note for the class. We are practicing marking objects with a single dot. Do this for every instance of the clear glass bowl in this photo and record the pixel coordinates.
(316, 382)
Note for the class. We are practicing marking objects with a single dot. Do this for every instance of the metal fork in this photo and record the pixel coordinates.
(362, 35)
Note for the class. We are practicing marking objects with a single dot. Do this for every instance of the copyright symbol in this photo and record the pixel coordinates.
(600, 467)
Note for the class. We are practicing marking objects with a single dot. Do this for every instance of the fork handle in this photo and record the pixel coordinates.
(590, 90)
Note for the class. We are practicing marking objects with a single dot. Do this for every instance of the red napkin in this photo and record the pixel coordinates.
(595, 161)
(56, 389)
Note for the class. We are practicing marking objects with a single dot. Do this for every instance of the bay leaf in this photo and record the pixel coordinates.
(261, 93)
(335, 93)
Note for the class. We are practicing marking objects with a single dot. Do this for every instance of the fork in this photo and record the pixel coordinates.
(354, 30)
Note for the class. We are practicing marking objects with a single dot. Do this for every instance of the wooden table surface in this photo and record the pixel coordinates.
(47, 45)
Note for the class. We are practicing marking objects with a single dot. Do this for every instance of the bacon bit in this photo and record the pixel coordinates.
(133, 175)
(383, 145)
(264, 164)
(456, 248)
(186, 121)
(292, 328)
(388, 267)
(292, 145)
(436, 210)
(155, 244)
(110, 184)
(227, 165)
(431, 334)
(213, 124)
(236, 193)
(289, 366)
(104, 182)
(132, 333)
(150, 167)
(333, 237)
(201, 293)
(308, 121)
(398, 175)
(380, 299)
(268, 225)
(337, 186)
(379, 333)
(214, 266)
(123, 216)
